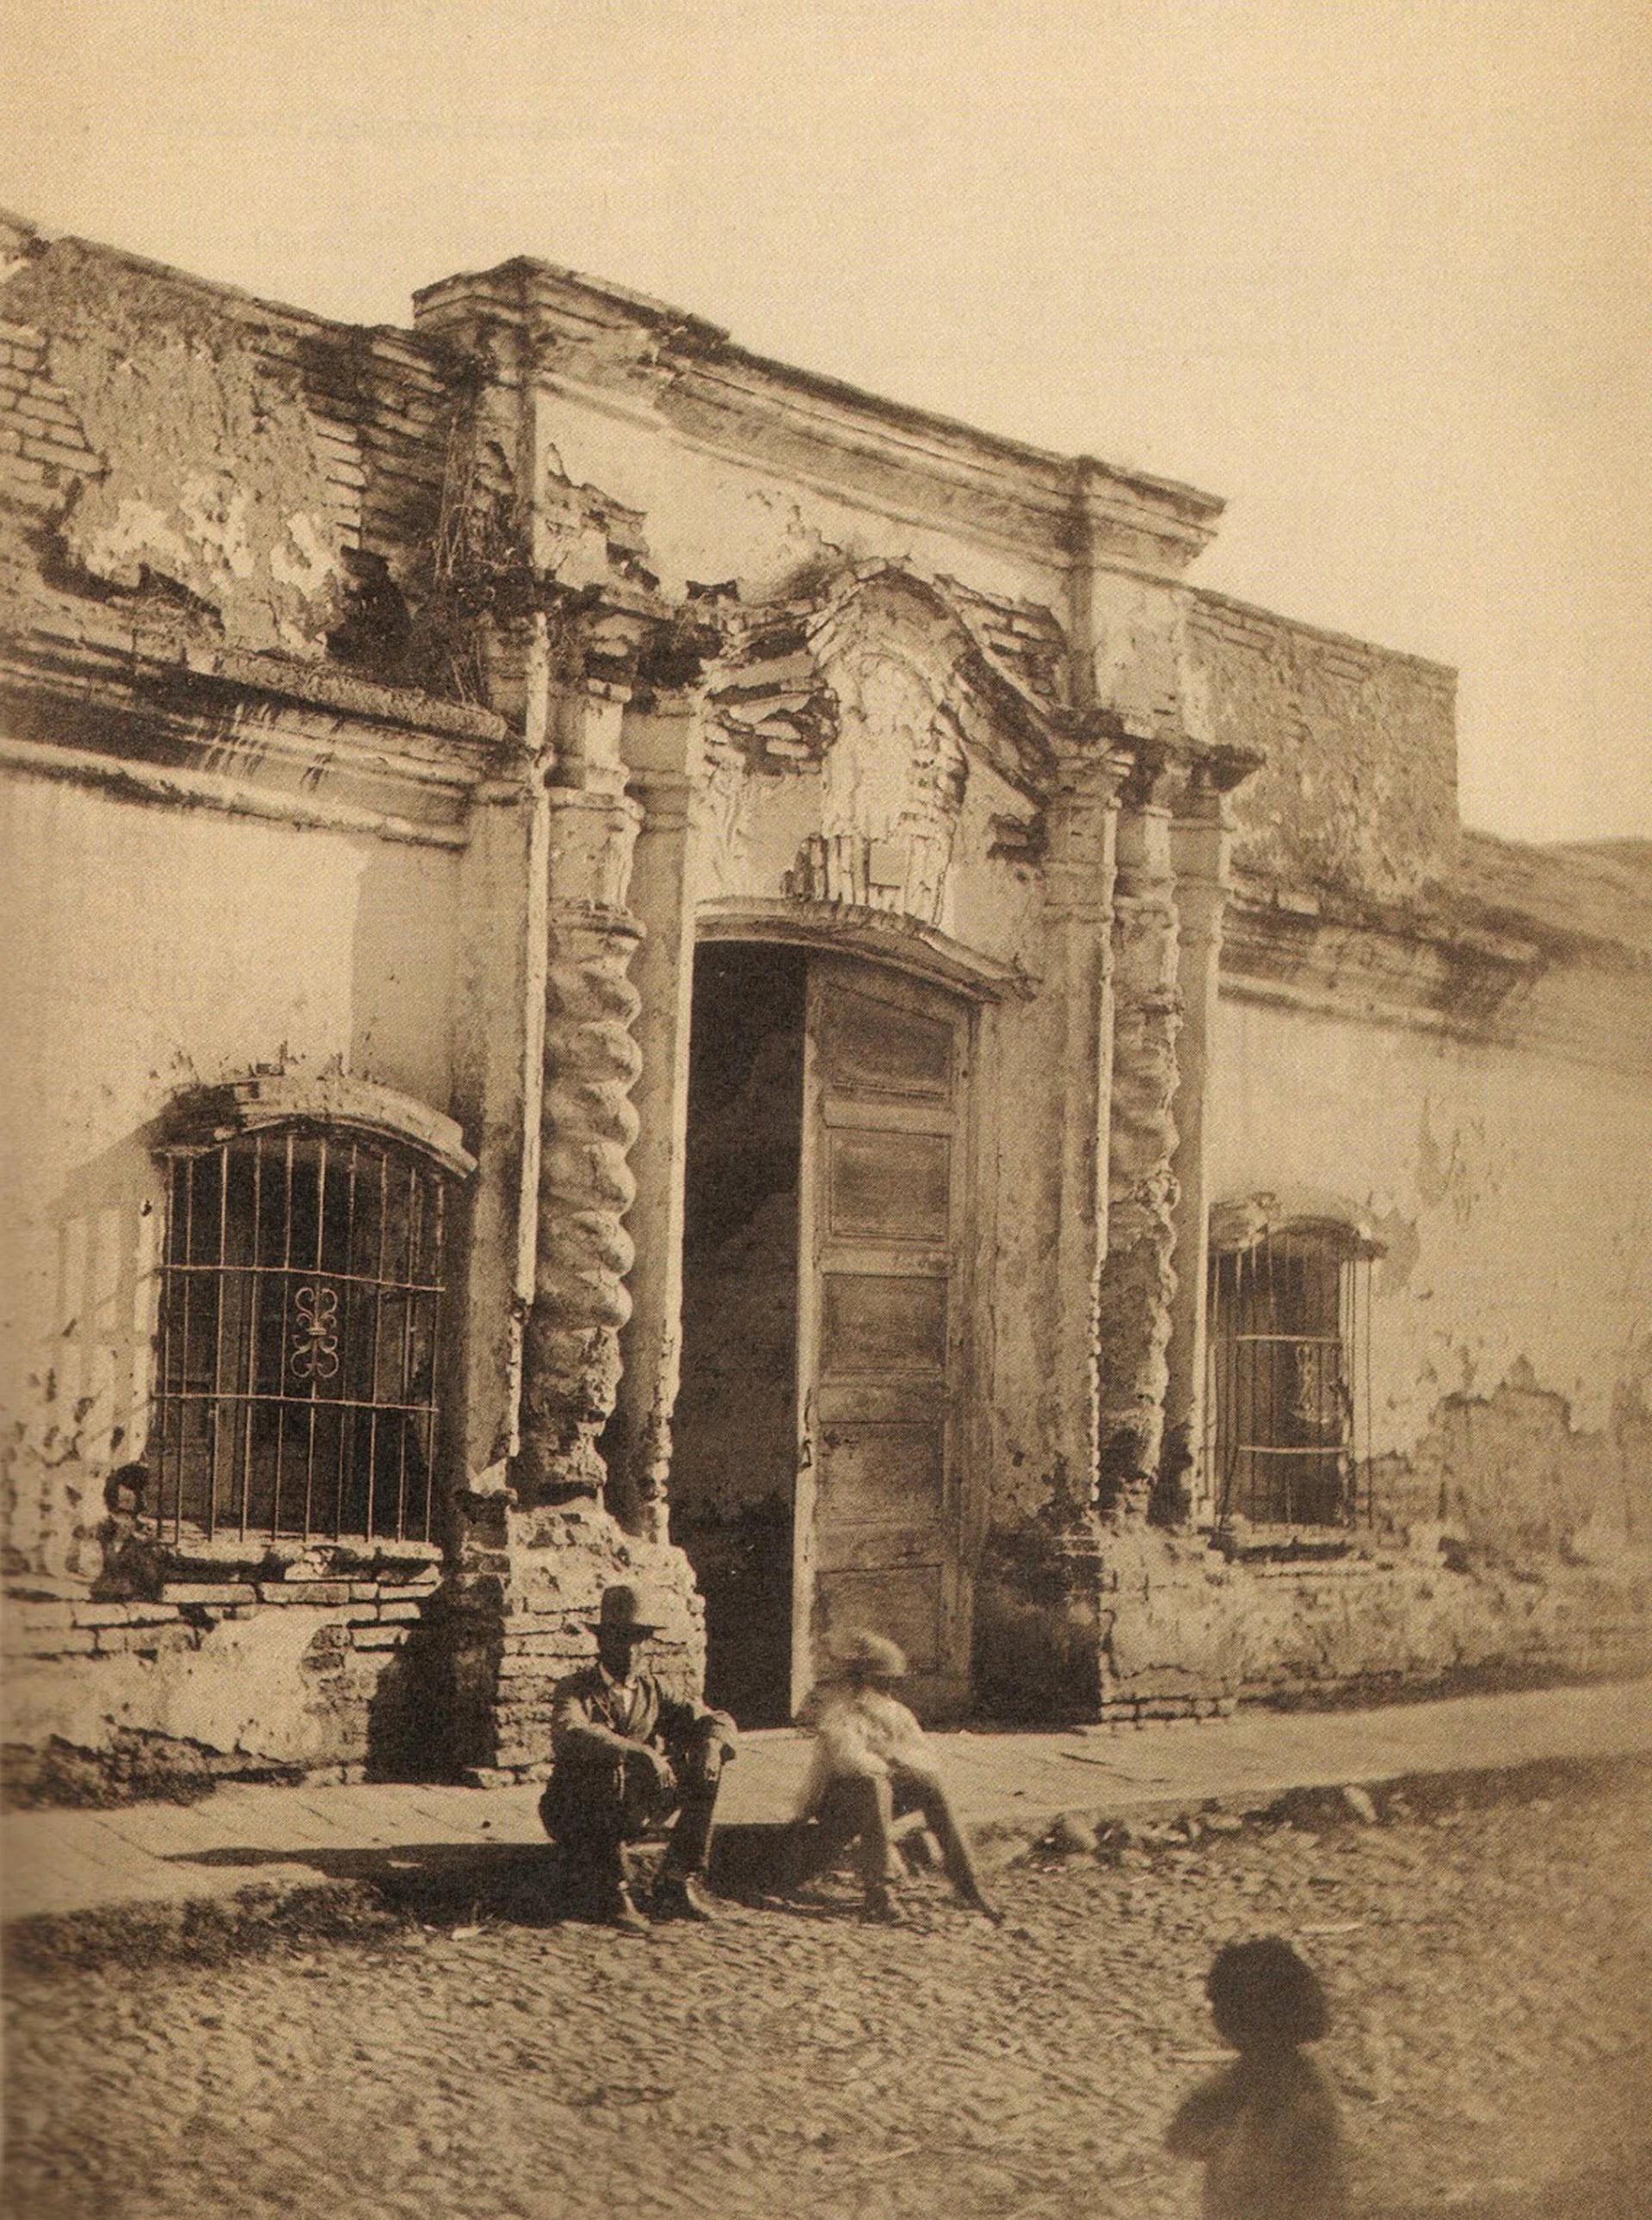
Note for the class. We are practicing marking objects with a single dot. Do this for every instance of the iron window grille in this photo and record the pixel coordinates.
(302, 1285)
(1288, 1393)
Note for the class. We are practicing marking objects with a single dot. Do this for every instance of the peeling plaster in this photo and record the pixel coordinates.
(210, 474)
(1401, 1247)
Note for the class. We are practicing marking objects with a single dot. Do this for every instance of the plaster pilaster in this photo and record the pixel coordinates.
(1039, 1620)
(1138, 1277)
(1081, 871)
(1200, 839)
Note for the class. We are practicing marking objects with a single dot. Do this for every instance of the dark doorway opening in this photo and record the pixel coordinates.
(734, 1456)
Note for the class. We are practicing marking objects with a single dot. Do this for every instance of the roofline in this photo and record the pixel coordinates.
(236, 296)
(1218, 600)
(697, 338)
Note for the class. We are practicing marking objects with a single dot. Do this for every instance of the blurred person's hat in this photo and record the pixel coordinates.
(873, 1656)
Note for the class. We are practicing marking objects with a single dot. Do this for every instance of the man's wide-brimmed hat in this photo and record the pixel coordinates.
(631, 1609)
(873, 1654)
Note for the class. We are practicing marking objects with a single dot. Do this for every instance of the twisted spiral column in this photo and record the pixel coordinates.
(571, 1347)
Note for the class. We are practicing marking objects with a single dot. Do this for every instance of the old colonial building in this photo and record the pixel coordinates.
(619, 956)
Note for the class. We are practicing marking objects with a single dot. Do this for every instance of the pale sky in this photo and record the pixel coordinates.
(1378, 271)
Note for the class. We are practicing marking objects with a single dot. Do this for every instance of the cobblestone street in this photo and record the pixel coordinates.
(1488, 1966)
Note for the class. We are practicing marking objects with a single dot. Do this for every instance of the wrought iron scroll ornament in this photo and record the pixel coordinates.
(315, 1340)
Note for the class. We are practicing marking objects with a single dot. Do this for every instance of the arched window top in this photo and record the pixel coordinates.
(207, 1117)
(1303, 1216)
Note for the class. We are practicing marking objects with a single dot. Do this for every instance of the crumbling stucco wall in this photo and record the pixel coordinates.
(1510, 1356)
(151, 951)
(733, 488)
(1184, 1629)
(205, 477)
(265, 1672)
(216, 518)
(221, 470)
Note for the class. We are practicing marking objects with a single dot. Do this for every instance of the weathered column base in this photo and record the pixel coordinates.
(1121, 1621)
(1038, 1623)
(524, 1585)
(1170, 1641)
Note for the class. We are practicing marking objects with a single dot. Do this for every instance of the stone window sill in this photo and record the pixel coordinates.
(253, 1559)
(1288, 1545)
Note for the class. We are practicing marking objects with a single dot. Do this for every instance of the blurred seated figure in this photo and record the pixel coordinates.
(872, 1764)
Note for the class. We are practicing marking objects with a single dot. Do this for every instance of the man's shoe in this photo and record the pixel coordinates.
(678, 1897)
(617, 1909)
(881, 1906)
(984, 1905)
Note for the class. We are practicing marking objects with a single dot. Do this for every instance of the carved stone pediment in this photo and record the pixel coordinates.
(888, 688)
(879, 642)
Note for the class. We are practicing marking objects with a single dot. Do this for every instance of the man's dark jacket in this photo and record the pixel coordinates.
(587, 1698)
(586, 1779)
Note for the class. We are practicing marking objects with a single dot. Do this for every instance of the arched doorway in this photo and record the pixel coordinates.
(816, 1479)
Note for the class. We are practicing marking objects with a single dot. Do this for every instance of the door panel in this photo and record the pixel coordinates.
(881, 1338)
(906, 1603)
(868, 1045)
(881, 1476)
(896, 1186)
(872, 1322)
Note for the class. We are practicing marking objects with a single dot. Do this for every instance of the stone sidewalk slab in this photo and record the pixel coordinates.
(1018, 1782)
(1009, 1786)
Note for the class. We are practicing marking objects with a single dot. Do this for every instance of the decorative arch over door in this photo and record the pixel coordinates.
(881, 937)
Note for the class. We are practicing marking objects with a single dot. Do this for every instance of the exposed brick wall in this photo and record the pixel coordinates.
(1359, 790)
(141, 1670)
(54, 1629)
(519, 1610)
(40, 437)
(224, 468)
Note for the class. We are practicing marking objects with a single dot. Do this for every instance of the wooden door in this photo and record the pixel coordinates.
(881, 1339)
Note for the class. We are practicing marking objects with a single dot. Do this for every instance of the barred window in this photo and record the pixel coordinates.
(1288, 1399)
(302, 1283)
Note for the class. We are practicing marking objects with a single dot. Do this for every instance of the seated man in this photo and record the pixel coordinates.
(627, 1757)
(871, 1765)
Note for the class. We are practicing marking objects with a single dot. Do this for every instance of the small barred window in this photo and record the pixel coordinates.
(301, 1299)
(1287, 1401)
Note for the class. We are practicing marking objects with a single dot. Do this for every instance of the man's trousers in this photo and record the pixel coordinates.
(591, 1810)
(861, 1808)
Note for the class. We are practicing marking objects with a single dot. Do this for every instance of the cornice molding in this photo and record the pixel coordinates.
(253, 734)
(627, 356)
(1430, 975)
